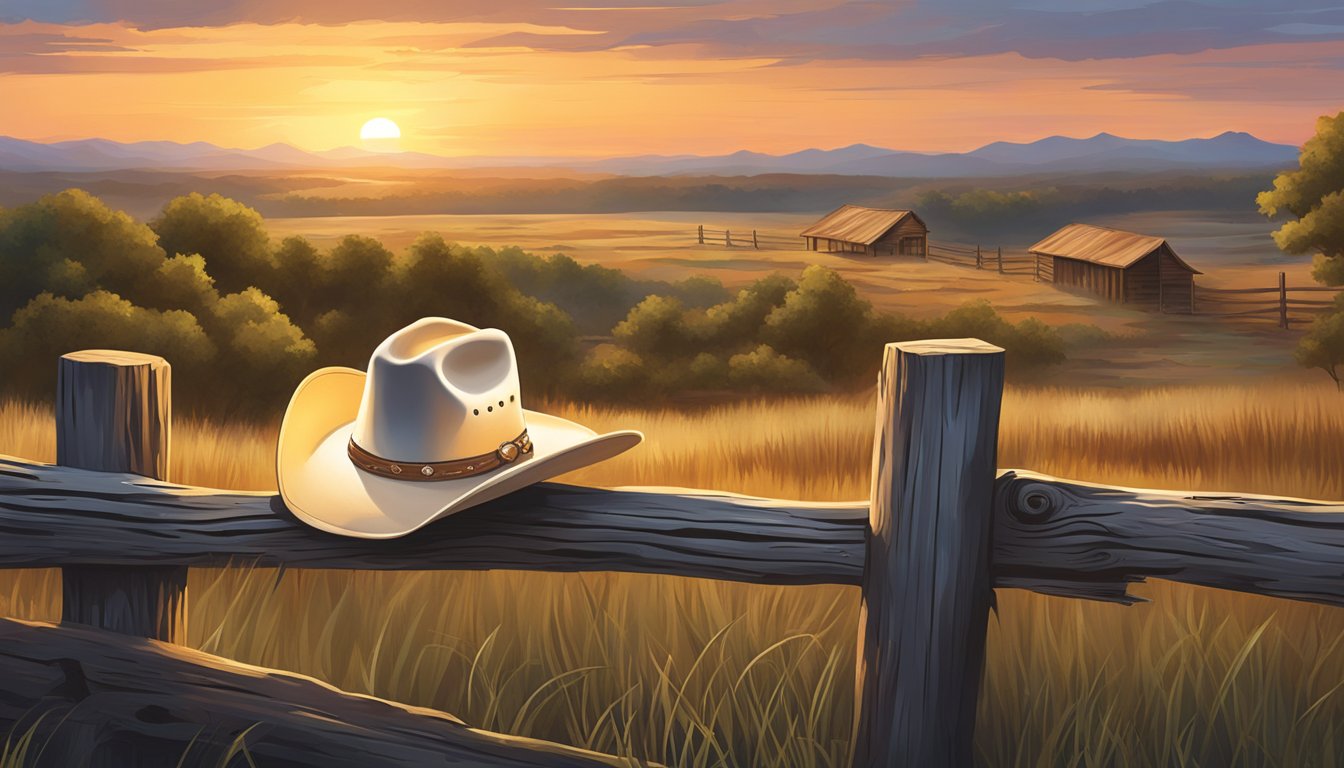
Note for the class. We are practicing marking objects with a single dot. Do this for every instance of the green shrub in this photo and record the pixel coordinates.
(730, 323)
(297, 278)
(822, 322)
(1029, 344)
(1323, 346)
(765, 370)
(229, 235)
(659, 326)
(69, 244)
(706, 371)
(180, 282)
(609, 372)
(50, 326)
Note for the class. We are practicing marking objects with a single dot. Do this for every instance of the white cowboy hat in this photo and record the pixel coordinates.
(435, 426)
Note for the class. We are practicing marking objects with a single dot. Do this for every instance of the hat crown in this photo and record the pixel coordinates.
(439, 390)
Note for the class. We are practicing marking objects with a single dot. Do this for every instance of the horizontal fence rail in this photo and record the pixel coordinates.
(1053, 536)
(1278, 303)
(163, 705)
(749, 238)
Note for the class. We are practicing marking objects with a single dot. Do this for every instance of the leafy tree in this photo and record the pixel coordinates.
(297, 278)
(822, 322)
(1313, 195)
(1323, 346)
(69, 244)
(597, 297)
(230, 236)
(733, 322)
(180, 283)
(609, 372)
(765, 370)
(264, 353)
(659, 326)
(50, 326)
(1029, 344)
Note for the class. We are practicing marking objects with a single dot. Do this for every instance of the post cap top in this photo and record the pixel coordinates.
(946, 347)
(114, 357)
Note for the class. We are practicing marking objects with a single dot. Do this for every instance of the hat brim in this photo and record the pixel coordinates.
(324, 489)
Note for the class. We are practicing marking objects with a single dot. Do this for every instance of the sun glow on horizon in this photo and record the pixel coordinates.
(379, 128)
(380, 135)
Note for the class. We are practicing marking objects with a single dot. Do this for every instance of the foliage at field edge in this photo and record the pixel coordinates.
(1313, 196)
(242, 319)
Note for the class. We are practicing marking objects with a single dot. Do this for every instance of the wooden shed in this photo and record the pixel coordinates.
(872, 231)
(1117, 265)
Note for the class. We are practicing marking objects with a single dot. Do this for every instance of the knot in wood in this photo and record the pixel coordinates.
(1035, 502)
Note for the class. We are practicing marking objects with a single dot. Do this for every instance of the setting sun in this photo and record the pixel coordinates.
(379, 128)
(380, 135)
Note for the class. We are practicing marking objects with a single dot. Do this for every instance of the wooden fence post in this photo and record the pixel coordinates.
(978, 258)
(926, 587)
(754, 244)
(728, 237)
(1283, 300)
(1000, 259)
(113, 414)
(702, 234)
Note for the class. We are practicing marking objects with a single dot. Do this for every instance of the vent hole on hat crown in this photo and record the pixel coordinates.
(510, 398)
(501, 403)
(475, 411)
(490, 408)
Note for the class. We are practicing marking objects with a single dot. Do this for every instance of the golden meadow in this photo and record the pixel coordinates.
(699, 673)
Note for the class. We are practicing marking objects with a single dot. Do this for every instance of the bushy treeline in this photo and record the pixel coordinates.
(243, 318)
(781, 335)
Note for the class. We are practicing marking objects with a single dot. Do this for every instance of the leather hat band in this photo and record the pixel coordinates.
(507, 453)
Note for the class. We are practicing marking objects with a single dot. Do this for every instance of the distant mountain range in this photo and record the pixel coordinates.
(1056, 154)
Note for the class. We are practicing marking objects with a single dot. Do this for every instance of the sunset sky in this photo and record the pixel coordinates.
(595, 77)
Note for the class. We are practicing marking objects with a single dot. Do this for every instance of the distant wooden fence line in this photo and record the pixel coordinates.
(942, 530)
(748, 238)
(1278, 305)
(1275, 303)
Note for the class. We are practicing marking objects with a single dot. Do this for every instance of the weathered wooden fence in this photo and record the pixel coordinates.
(1277, 304)
(748, 238)
(942, 529)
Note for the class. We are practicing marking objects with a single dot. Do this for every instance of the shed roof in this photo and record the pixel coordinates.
(1102, 245)
(857, 224)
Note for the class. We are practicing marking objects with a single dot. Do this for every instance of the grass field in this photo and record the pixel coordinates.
(697, 673)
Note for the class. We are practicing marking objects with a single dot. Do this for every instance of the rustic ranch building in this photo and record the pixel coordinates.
(870, 231)
(1119, 266)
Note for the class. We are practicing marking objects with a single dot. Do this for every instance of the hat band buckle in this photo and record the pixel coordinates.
(508, 452)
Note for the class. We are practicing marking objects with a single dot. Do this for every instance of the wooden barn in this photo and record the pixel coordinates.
(1120, 266)
(871, 231)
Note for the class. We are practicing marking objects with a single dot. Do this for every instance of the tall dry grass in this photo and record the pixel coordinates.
(697, 673)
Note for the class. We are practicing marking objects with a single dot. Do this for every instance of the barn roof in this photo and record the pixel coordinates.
(857, 224)
(1101, 245)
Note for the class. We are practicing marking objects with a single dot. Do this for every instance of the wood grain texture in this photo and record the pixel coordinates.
(116, 700)
(114, 414)
(926, 591)
(52, 516)
(1085, 540)
(55, 516)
